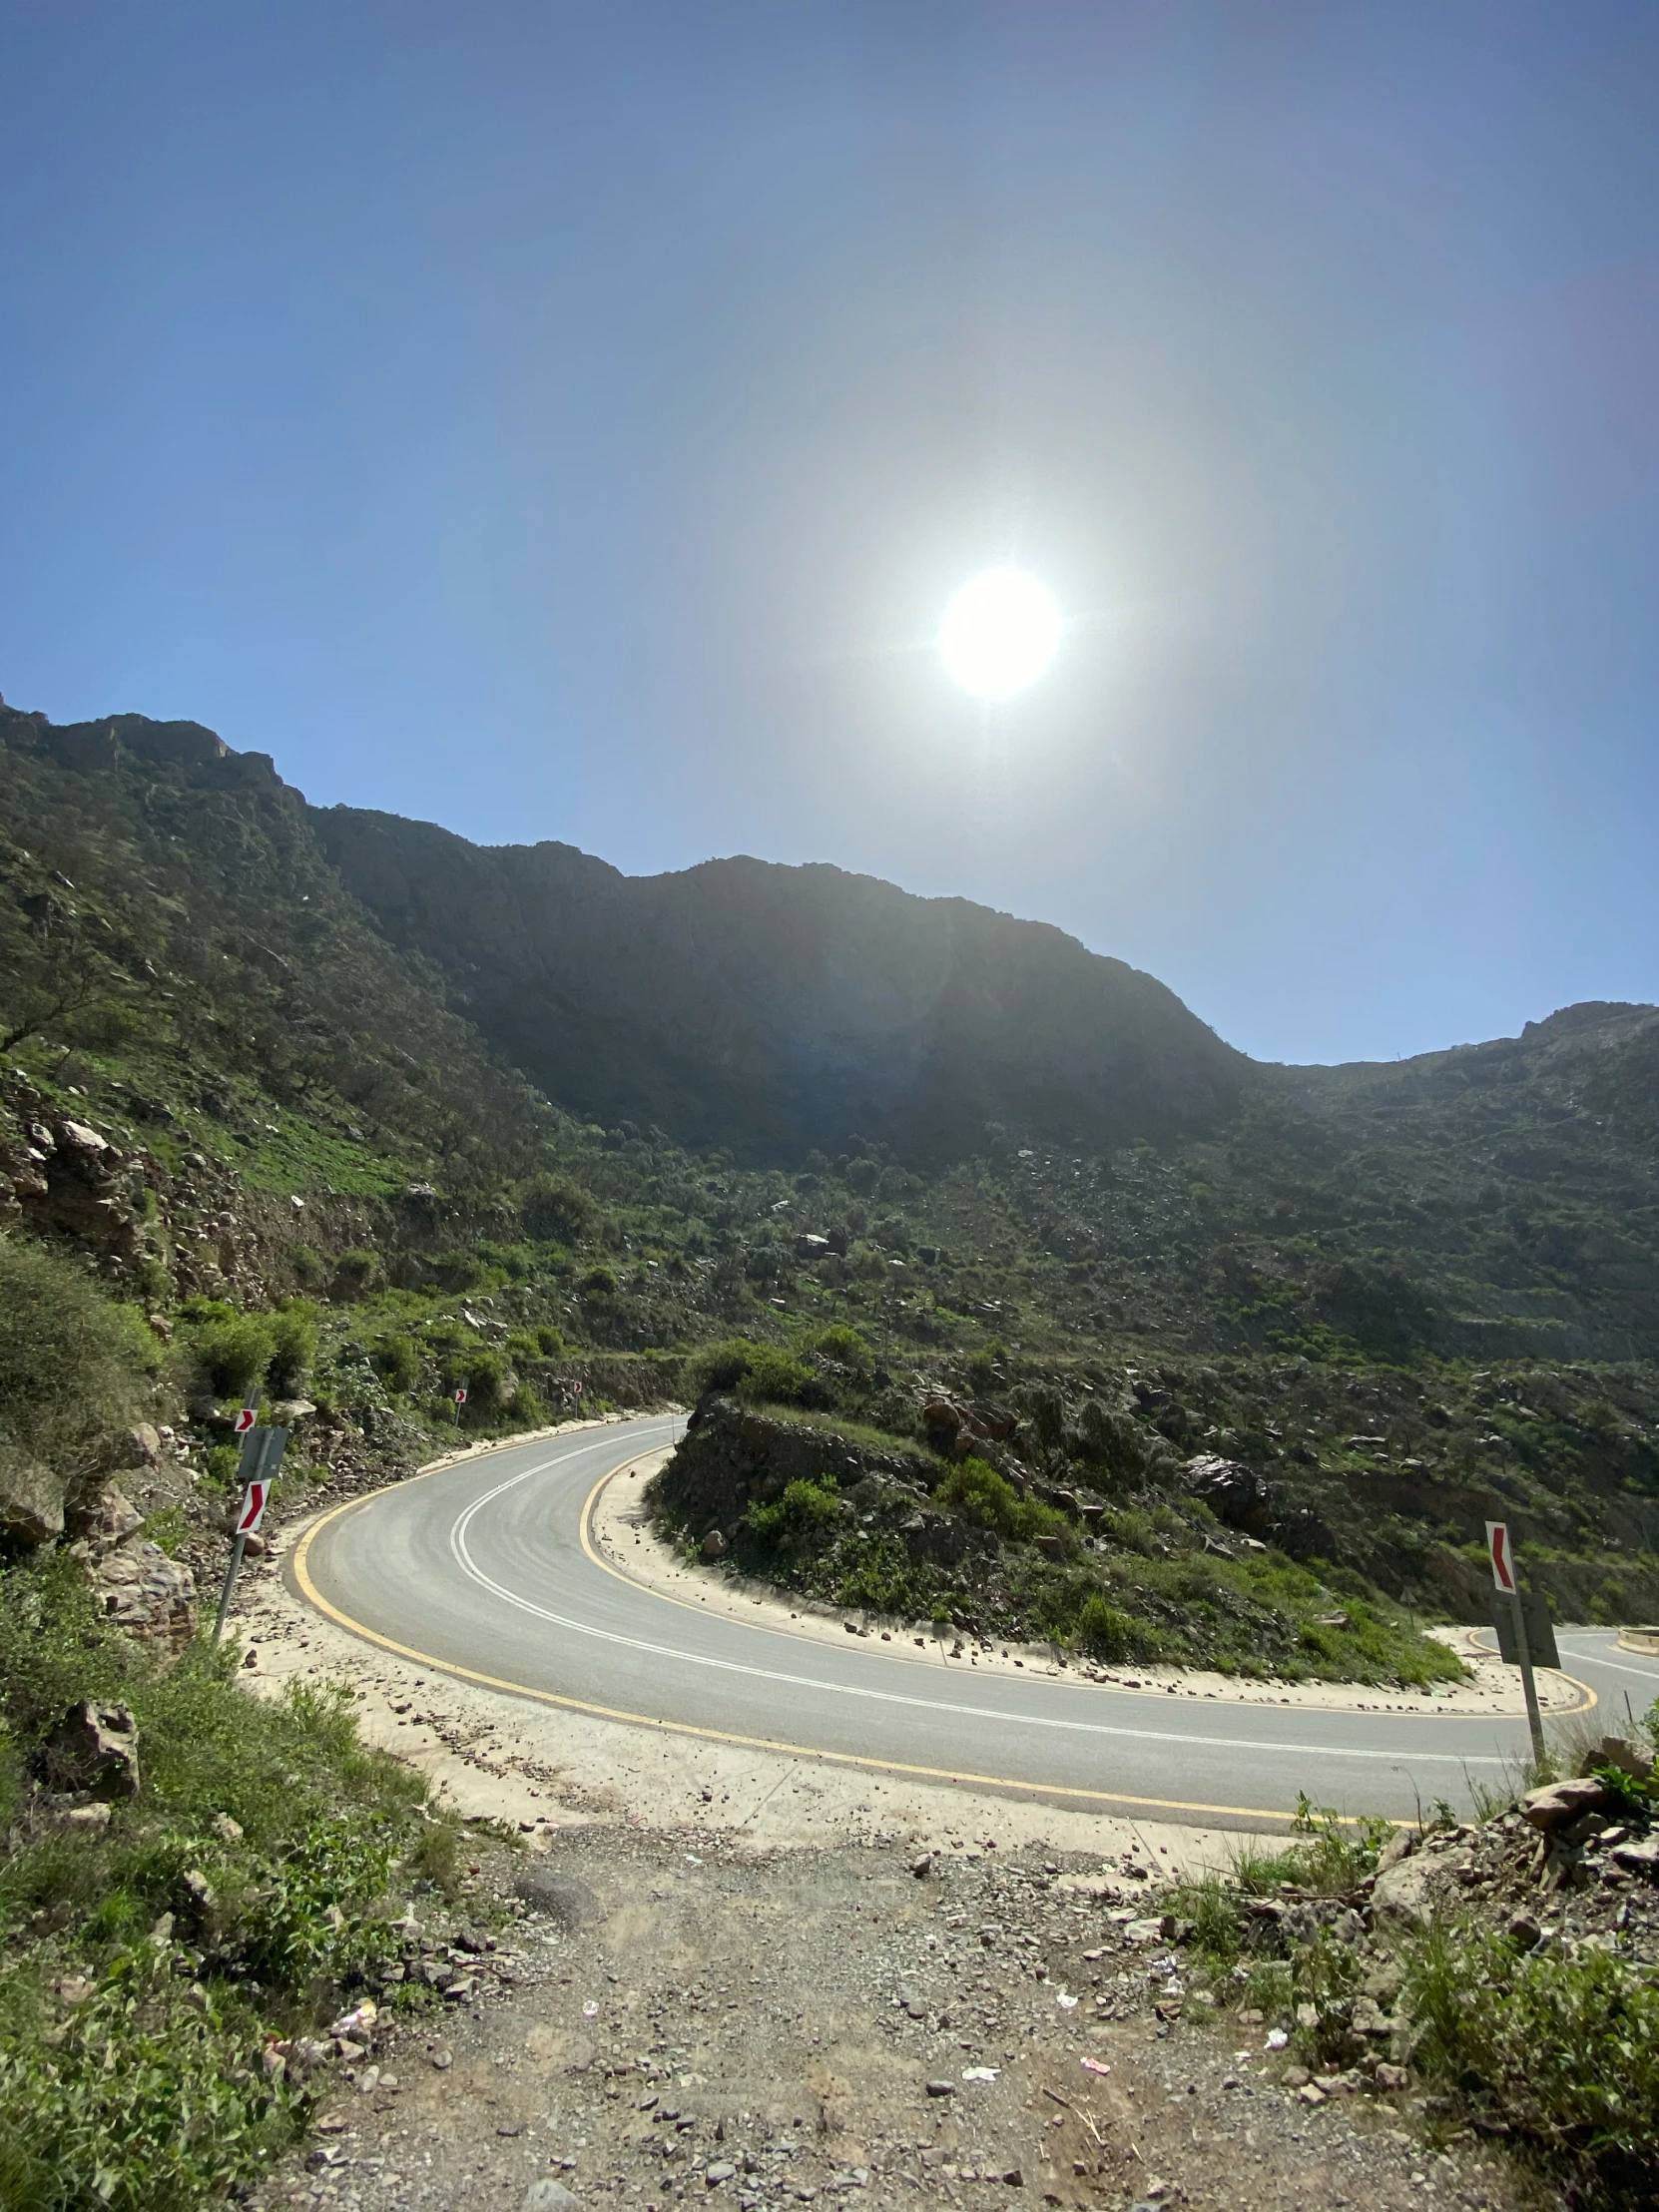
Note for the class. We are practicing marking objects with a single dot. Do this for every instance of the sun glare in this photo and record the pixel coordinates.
(999, 633)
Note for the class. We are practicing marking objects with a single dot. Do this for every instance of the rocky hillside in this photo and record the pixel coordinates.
(941, 1537)
(257, 1057)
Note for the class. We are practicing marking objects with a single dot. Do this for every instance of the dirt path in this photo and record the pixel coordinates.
(670, 2018)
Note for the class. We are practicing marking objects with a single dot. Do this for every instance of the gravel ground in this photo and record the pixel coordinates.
(662, 2018)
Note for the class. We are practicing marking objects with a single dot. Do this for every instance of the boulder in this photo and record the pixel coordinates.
(1399, 1845)
(1630, 1758)
(941, 1424)
(1407, 1891)
(808, 1247)
(94, 1747)
(564, 1898)
(1235, 1494)
(147, 1596)
(31, 1498)
(103, 1518)
(287, 1410)
(549, 2195)
(1557, 1803)
(714, 1546)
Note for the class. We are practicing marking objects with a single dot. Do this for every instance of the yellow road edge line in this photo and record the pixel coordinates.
(1591, 1697)
(314, 1597)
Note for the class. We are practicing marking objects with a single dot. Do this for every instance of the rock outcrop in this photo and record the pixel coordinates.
(31, 1499)
(731, 1457)
(1243, 1499)
(137, 1587)
(93, 1747)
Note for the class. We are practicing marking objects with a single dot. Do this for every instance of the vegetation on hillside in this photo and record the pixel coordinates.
(1517, 1995)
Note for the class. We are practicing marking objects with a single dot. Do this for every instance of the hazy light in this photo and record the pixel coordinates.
(999, 633)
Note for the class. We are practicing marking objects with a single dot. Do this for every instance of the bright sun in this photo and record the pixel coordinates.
(999, 633)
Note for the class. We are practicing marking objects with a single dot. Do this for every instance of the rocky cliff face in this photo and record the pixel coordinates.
(771, 1008)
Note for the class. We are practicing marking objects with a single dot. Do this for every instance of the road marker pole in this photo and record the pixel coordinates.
(261, 1455)
(1502, 1555)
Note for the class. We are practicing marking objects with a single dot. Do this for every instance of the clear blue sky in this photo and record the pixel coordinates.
(570, 422)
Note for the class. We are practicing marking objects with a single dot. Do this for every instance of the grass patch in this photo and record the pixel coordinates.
(854, 1431)
(1563, 2052)
(243, 1892)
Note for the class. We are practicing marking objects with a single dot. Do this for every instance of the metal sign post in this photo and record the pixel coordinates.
(1502, 1555)
(262, 1456)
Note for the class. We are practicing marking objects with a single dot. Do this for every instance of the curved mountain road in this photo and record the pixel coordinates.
(483, 1569)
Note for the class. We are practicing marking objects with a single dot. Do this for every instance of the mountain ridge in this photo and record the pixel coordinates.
(787, 1006)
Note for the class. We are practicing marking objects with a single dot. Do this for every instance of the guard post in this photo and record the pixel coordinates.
(1502, 1555)
(262, 1456)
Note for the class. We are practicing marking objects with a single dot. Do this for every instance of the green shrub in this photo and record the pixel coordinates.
(1104, 1631)
(222, 1461)
(847, 1347)
(71, 1362)
(1563, 2052)
(599, 1282)
(149, 2095)
(306, 1264)
(761, 1373)
(149, 2100)
(1112, 1442)
(718, 1367)
(549, 1342)
(355, 1273)
(983, 1496)
(775, 1379)
(166, 1528)
(985, 1367)
(485, 1375)
(881, 1578)
(980, 1495)
(554, 1210)
(801, 1513)
(398, 1360)
(230, 1351)
(294, 1333)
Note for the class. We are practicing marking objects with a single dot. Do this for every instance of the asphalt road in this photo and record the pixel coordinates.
(481, 1569)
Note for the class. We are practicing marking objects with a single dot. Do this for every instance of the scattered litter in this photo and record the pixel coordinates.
(1277, 2040)
(1096, 2066)
(590, 2010)
(1066, 2001)
(691, 1858)
(981, 2074)
(357, 2021)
